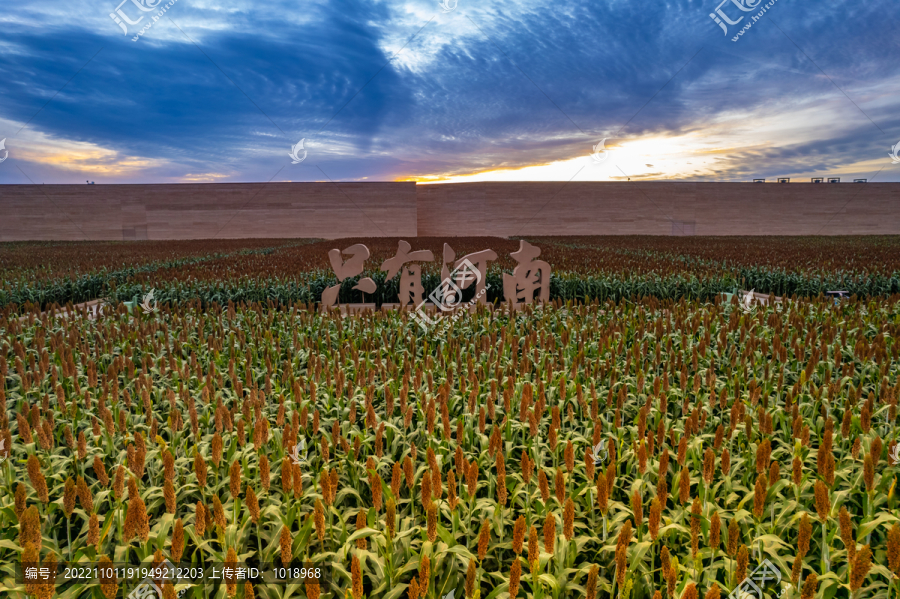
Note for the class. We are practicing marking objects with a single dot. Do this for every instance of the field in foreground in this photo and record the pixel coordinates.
(463, 462)
(584, 268)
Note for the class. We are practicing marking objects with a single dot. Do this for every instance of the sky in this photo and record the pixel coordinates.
(448, 91)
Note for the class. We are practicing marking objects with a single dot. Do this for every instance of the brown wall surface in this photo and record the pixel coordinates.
(658, 208)
(197, 211)
(328, 210)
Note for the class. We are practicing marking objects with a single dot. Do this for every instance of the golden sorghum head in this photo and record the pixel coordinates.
(518, 535)
(169, 496)
(219, 514)
(424, 574)
(471, 571)
(425, 488)
(637, 508)
(396, 473)
(823, 504)
(432, 522)
(264, 476)
(655, 513)
(569, 455)
(501, 479)
(893, 549)
(177, 541)
(235, 479)
(797, 470)
(93, 536)
(252, 504)
(109, 584)
(533, 552)
(763, 451)
(714, 592)
(85, 497)
(137, 523)
(287, 477)
(30, 528)
(602, 493)
(549, 533)
(248, 591)
(69, 497)
(804, 535)
(100, 471)
(846, 528)
(200, 519)
(544, 486)
(734, 533)
(312, 588)
(690, 592)
(715, 531)
(695, 527)
(216, 449)
(408, 473)
(869, 472)
(413, 589)
(356, 577)
(861, 565)
(528, 467)
(319, 520)
(119, 482)
(622, 552)
(725, 462)
(742, 558)
(759, 495)
(515, 573)
(391, 517)
(472, 478)
(709, 465)
(568, 519)
(590, 587)
(21, 499)
(809, 586)
(376, 492)
(231, 579)
(287, 551)
(361, 524)
(484, 537)
(37, 479)
(684, 486)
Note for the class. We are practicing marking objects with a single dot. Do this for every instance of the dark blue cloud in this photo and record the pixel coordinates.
(227, 91)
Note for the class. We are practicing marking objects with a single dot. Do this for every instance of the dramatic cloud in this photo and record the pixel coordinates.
(405, 90)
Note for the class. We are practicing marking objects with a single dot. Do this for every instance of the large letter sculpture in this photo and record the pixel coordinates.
(530, 279)
(344, 270)
(411, 290)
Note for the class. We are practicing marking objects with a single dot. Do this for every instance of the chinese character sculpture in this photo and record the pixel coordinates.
(345, 269)
(530, 279)
(411, 290)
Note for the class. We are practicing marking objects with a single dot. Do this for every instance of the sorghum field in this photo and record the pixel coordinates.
(258, 430)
